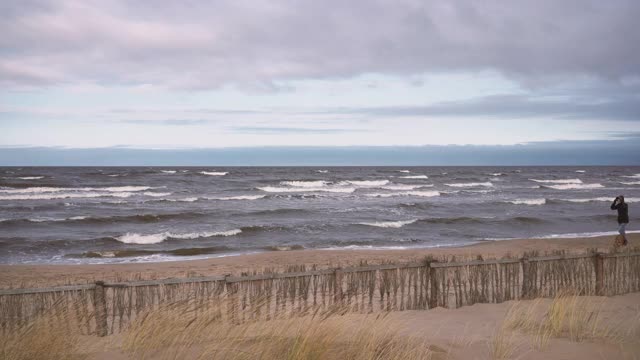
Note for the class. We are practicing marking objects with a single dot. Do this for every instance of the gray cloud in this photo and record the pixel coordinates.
(171, 122)
(205, 44)
(287, 130)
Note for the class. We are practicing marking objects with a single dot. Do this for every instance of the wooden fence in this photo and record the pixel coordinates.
(106, 308)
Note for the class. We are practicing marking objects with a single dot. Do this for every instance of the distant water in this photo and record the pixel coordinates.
(110, 215)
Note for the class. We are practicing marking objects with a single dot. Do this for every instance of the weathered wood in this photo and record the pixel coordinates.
(599, 265)
(47, 290)
(100, 305)
(433, 278)
(474, 262)
(560, 257)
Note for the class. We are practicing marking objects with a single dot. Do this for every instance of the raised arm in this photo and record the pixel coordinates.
(614, 205)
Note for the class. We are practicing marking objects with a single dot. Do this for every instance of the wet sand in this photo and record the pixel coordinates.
(14, 276)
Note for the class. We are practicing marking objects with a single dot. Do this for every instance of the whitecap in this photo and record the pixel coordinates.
(575, 186)
(31, 177)
(242, 197)
(155, 194)
(497, 174)
(581, 171)
(214, 173)
(322, 171)
(604, 199)
(630, 182)
(389, 224)
(133, 238)
(404, 171)
(63, 196)
(304, 184)
(560, 181)
(632, 176)
(415, 177)
(366, 182)
(205, 234)
(470, 184)
(168, 171)
(275, 189)
(528, 201)
(404, 187)
(408, 193)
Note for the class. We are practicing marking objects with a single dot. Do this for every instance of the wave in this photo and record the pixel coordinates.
(408, 193)
(133, 238)
(305, 184)
(168, 171)
(31, 177)
(85, 219)
(481, 220)
(581, 171)
(322, 171)
(575, 186)
(274, 189)
(487, 184)
(630, 182)
(560, 181)
(635, 176)
(214, 173)
(497, 174)
(65, 196)
(38, 190)
(603, 199)
(404, 171)
(568, 235)
(404, 187)
(140, 253)
(415, 177)
(528, 201)
(242, 197)
(389, 224)
(116, 175)
(154, 194)
(366, 182)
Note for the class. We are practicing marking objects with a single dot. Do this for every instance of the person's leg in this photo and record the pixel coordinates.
(622, 230)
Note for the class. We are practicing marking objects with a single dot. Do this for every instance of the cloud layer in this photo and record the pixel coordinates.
(257, 45)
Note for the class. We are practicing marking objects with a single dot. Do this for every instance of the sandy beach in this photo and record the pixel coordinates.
(14, 276)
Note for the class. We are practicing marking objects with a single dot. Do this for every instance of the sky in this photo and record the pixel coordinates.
(340, 77)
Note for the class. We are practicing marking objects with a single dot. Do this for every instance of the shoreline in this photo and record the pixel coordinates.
(45, 275)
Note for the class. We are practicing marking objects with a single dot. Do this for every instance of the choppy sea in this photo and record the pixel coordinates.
(143, 214)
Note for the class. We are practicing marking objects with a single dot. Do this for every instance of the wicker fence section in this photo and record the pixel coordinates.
(107, 308)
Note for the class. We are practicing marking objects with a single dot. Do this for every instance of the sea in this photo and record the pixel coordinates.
(83, 215)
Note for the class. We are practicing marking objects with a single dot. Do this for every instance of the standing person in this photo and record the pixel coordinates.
(623, 216)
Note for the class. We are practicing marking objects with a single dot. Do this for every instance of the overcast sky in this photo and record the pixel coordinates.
(211, 74)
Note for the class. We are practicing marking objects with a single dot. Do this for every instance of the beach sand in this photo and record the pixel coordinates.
(20, 276)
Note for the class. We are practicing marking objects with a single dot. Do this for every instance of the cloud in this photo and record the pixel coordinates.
(205, 45)
(626, 108)
(287, 130)
(170, 122)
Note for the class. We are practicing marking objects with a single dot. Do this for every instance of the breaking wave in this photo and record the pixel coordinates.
(275, 189)
(133, 238)
(415, 177)
(487, 184)
(560, 181)
(408, 193)
(214, 173)
(574, 186)
(528, 201)
(389, 224)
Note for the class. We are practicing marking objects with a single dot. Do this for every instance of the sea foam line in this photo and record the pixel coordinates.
(528, 201)
(389, 224)
(414, 177)
(408, 193)
(134, 238)
(575, 186)
(214, 173)
(559, 181)
(476, 184)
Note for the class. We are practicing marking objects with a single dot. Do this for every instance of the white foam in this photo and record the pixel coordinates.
(133, 238)
(528, 201)
(32, 190)
(168, 171)
(404, 187)
(408, 193)
(366, 182)
(470, 184)
(581, 171)
(53, 196)
(189, 199)
(497, 174)
(155, 194)
(38, 190)
(322, 171)
(78, 218)
(606, 199)
(274, 189)
(415, 177)
(404, 171)
(630, 182)
(242, 197)
(305, 184)
(389, 224)
(214, 173)
(575, 186)
(31, 177)
(632, 176)
(560, 181)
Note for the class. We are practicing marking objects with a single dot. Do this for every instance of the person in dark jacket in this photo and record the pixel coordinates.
(623, 216)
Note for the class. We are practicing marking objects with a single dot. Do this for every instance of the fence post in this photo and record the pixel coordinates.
(599, 265)
(337, 289)
(100, 305)
(526, 287)
(433, 279)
